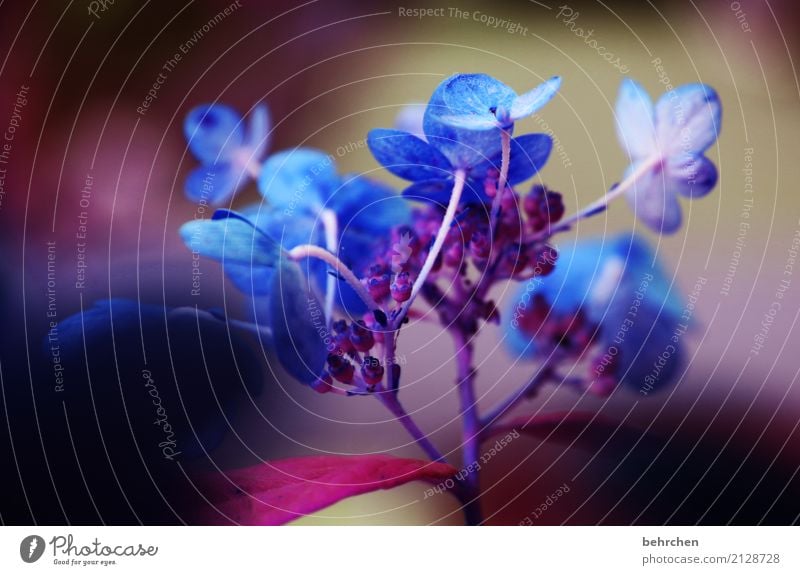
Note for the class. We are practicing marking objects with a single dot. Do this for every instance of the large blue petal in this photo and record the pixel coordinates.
(214, 184)
(477, 95)
(652, 198)
(231, 240)
(439, 192)
(691, 175)
(298, 324)
(529, 154)
(213, 131)
(290, 230)
(636, 129)
(368, 206)
(530, 102)
(298, 180)
(464, 148)
(406, 155)
(688, 119)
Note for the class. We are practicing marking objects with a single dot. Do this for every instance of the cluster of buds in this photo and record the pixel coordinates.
(350, 362)
(570, 334)
(513, 245)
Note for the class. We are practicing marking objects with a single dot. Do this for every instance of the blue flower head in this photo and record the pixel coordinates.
(668, 142)
(299, 185)
(228, 152)
(621, 288)
(462, 125)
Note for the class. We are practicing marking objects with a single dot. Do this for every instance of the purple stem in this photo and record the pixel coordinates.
(544, 373)
(469, 491)
(389, 399)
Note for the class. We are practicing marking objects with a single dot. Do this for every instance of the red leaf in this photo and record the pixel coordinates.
(583, 429)
(276, 492)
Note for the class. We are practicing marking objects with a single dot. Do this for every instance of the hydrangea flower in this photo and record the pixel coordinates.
(620, 288)
(480, 102)
(229, 154)
(667, 144)
(299, 185)
(462, 124)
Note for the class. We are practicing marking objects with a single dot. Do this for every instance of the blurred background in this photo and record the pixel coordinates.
(86, 177)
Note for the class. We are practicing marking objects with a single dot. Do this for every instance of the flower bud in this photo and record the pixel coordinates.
(361, 337)
(371, 370)
(341, 369)
(323, 384)
(401, 287)
(543, 207)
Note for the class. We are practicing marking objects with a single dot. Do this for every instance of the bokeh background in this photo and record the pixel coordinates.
(721, 446)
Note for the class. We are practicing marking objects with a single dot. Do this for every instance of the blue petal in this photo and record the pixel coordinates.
(213, 131)
(604, 277)
(472, 122)
(290, 230)
(409, 119)
(529, 154)
(231, 240)
(298, 324)
(635, 121)
(464, 148)
(258, 131)
(368, 206)
(214, 184)
(530, 102)
(298, 180)
(439, 191)
(406, 155)
(652, 198)
(477, 95)
(691, 176)
(688, 119)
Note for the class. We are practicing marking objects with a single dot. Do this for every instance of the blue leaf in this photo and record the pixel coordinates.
(213, 131)
(298, 324)
(406, 155)
(530, 102)
(298, 180)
